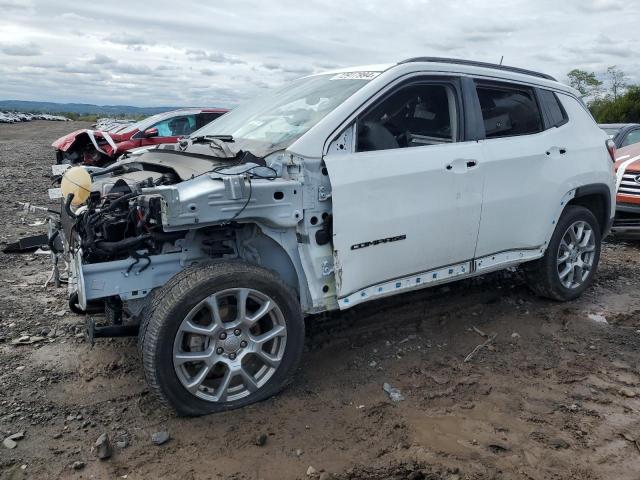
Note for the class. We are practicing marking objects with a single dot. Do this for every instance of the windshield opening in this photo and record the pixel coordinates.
(278, 118)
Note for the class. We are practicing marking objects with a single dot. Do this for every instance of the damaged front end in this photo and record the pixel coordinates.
(149, 217)
(89, 147)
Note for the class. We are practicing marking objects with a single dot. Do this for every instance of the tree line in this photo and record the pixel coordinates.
(612, 99)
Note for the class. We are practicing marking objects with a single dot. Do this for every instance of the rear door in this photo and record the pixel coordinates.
(407, 196)
(521, 168)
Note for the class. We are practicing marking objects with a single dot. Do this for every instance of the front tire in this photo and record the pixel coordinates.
(222, 335)
(570, 263)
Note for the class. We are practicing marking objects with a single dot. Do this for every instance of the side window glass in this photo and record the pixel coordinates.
(555, 111)
(509, 111)
(631, 138)
(176, 126)
(414, 116)
(206, 117)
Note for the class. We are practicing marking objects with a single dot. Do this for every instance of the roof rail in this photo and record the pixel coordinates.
(458, 61)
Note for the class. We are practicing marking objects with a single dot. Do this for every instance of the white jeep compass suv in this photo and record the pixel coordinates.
(337, 189)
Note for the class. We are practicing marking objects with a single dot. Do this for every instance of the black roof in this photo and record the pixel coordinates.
(458, 61)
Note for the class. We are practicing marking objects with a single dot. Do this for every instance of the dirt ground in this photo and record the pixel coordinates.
(555, 396)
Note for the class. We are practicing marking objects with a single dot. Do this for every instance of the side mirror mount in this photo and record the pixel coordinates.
(151, 132)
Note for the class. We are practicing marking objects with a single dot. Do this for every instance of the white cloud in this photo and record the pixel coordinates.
(21, 49)
(215, 57)
(6, 5)
(102, 59)
(128, 39)
(219, 53)
(597, 6)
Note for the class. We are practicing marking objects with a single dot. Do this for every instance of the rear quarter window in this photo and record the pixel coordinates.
(555, 114)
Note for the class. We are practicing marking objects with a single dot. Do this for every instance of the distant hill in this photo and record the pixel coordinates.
(81, 108)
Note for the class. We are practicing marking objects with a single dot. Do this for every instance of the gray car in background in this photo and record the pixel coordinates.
(622, 134)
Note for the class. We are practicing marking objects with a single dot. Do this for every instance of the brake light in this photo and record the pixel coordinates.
(611, 148)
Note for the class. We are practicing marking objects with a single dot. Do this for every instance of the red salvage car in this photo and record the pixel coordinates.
(98, 148)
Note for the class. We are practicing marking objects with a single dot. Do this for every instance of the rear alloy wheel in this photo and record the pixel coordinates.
(571, 260)
(576, 253)
(222, 335)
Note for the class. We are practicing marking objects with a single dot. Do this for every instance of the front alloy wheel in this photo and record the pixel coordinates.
(221, 335)
(229, 345)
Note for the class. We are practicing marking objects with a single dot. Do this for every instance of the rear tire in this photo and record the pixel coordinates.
(570, 263)
(219, 336)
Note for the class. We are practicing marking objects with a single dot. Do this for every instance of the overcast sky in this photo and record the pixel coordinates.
(183, 52)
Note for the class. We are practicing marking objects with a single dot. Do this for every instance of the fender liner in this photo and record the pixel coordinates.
(601, 190)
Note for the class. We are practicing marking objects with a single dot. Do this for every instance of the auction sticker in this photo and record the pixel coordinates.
(355, 76)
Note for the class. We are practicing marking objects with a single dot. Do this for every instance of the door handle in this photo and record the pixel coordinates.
(460, 165)
(560, 150)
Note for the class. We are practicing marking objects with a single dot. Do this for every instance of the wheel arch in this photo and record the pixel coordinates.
(596, 197)
(277, 251)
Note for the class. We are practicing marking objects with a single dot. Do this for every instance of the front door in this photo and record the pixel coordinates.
(408, 198)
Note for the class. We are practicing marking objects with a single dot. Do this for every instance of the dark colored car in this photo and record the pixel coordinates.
(622, 134)
(99, 148)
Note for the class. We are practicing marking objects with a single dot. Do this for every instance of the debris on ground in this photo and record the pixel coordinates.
(103, 447)
(558, 443)
(77, 465)
(261, 439)
(486, 343)
(158, 438)
(594, 317)
(394, 393)
(27, 340)
(17, 436)
(9, 443)
(627, 392)
(27, 244)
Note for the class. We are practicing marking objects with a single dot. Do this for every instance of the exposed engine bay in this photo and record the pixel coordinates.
(149, 215)
(121, 217)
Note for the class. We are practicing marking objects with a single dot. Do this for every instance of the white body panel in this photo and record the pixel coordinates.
(526, 178)
(457, 223)
(405, 192)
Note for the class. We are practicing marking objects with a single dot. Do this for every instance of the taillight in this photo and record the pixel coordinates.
(611, 148)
